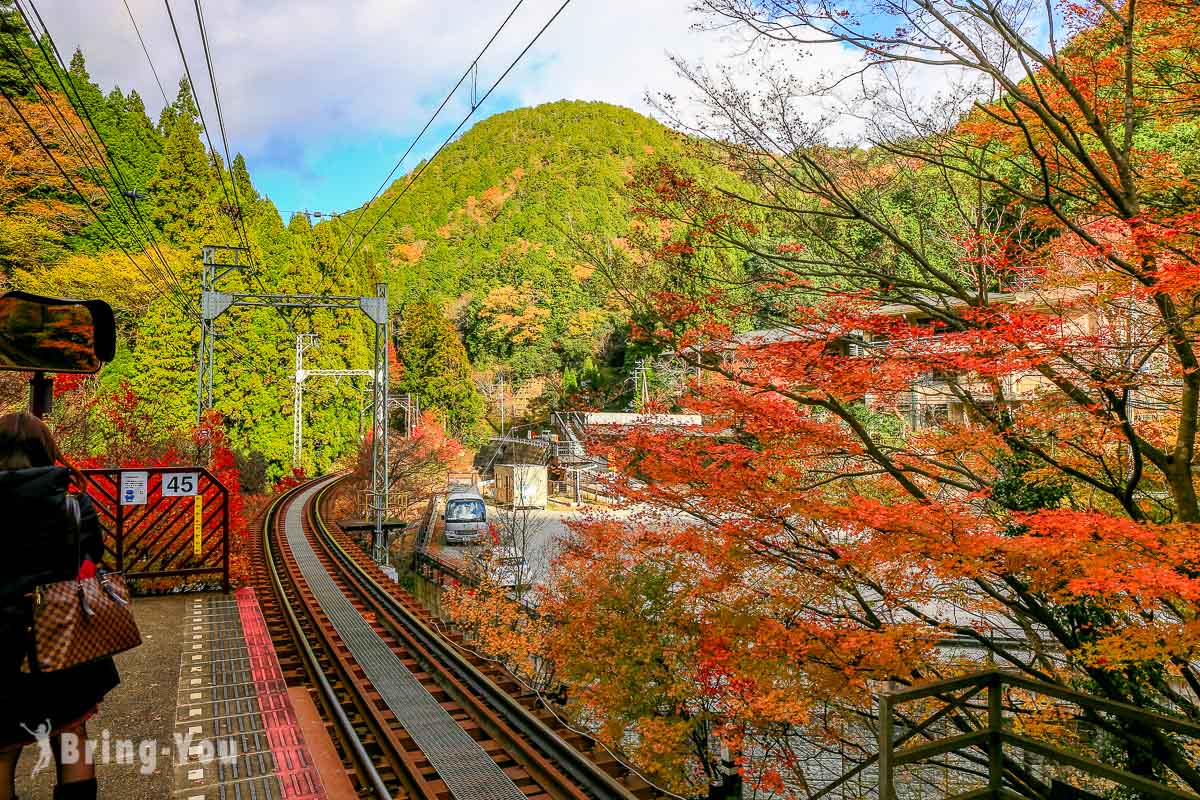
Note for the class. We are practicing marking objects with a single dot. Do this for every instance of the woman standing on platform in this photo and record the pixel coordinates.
(38, 545)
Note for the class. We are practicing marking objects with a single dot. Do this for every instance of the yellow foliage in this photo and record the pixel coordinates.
(513, 312)
(409, 252)
(585, 321)
(108, 275)
(581, 271)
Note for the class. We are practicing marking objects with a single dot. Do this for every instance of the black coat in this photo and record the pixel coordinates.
(40, 543)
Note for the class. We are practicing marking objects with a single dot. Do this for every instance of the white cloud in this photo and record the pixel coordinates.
(299, 76)
(309, 68)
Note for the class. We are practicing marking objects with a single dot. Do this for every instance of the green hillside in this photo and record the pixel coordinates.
(486, 230)
(478, 256)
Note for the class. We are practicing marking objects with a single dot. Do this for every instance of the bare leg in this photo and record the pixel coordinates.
(79, 769)
(8, 773)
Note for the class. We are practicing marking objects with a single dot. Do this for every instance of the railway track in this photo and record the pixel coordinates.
(411, 716)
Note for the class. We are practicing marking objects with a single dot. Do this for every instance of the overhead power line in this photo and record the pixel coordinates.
(474, 106)
(75, 188)
(58, 67)
(173, 291)
(240, 220)
(212, 80)
(204, 123)
(471, 70)
(145, 50)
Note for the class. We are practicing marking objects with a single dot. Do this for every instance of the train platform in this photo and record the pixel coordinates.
(203, 712)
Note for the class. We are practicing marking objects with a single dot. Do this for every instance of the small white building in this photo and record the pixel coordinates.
(521, 485)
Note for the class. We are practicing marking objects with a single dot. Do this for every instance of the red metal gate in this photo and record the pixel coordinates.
(173, 522)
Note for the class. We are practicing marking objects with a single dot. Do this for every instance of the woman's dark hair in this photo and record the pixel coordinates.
(26, 442)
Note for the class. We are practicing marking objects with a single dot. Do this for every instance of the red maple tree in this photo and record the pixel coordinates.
(949, 385)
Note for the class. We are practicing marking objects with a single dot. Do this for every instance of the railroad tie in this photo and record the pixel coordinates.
(468, 772)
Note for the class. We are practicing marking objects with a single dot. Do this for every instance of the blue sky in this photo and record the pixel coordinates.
(322, 97)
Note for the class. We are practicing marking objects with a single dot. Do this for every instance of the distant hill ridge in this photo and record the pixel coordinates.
(484, 232)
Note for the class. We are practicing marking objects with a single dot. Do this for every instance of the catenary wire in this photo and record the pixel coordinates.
(417, 174)
(75, 188)
(235, 202)
(473, 65)
(146, 50)
(58, 67)
(212, 80)
(171, 278)
(203, 123)
(73, 139)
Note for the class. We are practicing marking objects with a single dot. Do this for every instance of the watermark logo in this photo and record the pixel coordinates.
(142, 753)
(45, 752)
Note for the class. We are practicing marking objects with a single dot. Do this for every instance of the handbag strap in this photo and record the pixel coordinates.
(76, 514)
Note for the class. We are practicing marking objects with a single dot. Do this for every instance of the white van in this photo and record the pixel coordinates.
(465, 516)
(504, 565)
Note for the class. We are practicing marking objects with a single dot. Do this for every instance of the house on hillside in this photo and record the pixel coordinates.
(955, 396)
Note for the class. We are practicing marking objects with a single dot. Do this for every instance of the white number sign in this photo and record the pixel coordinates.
(179, 484)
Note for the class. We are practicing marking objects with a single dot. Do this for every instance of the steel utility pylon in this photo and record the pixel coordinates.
(214, 303)
(211, 271)
(379, 431)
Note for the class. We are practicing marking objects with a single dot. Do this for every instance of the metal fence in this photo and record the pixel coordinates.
(998, 734)
(163, 522)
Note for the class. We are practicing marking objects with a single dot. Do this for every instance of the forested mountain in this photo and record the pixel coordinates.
(488, 231)
(482, 255)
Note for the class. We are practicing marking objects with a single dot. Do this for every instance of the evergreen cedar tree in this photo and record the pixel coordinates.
(484, 235)
(1033, 260)
(433, 365)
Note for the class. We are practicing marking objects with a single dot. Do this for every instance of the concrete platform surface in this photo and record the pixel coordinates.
(202, 712)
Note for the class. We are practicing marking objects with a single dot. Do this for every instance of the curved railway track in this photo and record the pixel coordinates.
(411, 716)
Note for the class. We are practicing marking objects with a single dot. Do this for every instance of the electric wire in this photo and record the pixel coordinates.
(203, 123)
(173, 285)
(170, 278)
(71, 137)
(146, 50)
(473, 66)
(172, 297)
(417, 174)
(212, 79)
(240, 221)
(75, 188)
(58, 66)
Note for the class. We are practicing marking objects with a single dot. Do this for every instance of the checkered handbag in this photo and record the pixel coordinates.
(81, 620)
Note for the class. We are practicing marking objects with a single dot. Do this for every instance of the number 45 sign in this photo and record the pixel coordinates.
(179, 484)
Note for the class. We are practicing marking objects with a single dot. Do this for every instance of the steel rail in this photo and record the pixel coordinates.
(365, 765)
(432, 733)
(573, 764)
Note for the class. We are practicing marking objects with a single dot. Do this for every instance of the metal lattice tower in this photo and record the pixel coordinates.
(641, 386)
(410, 404)
(303, 342)
(216, 262)
(214, 303)
(379, 442)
